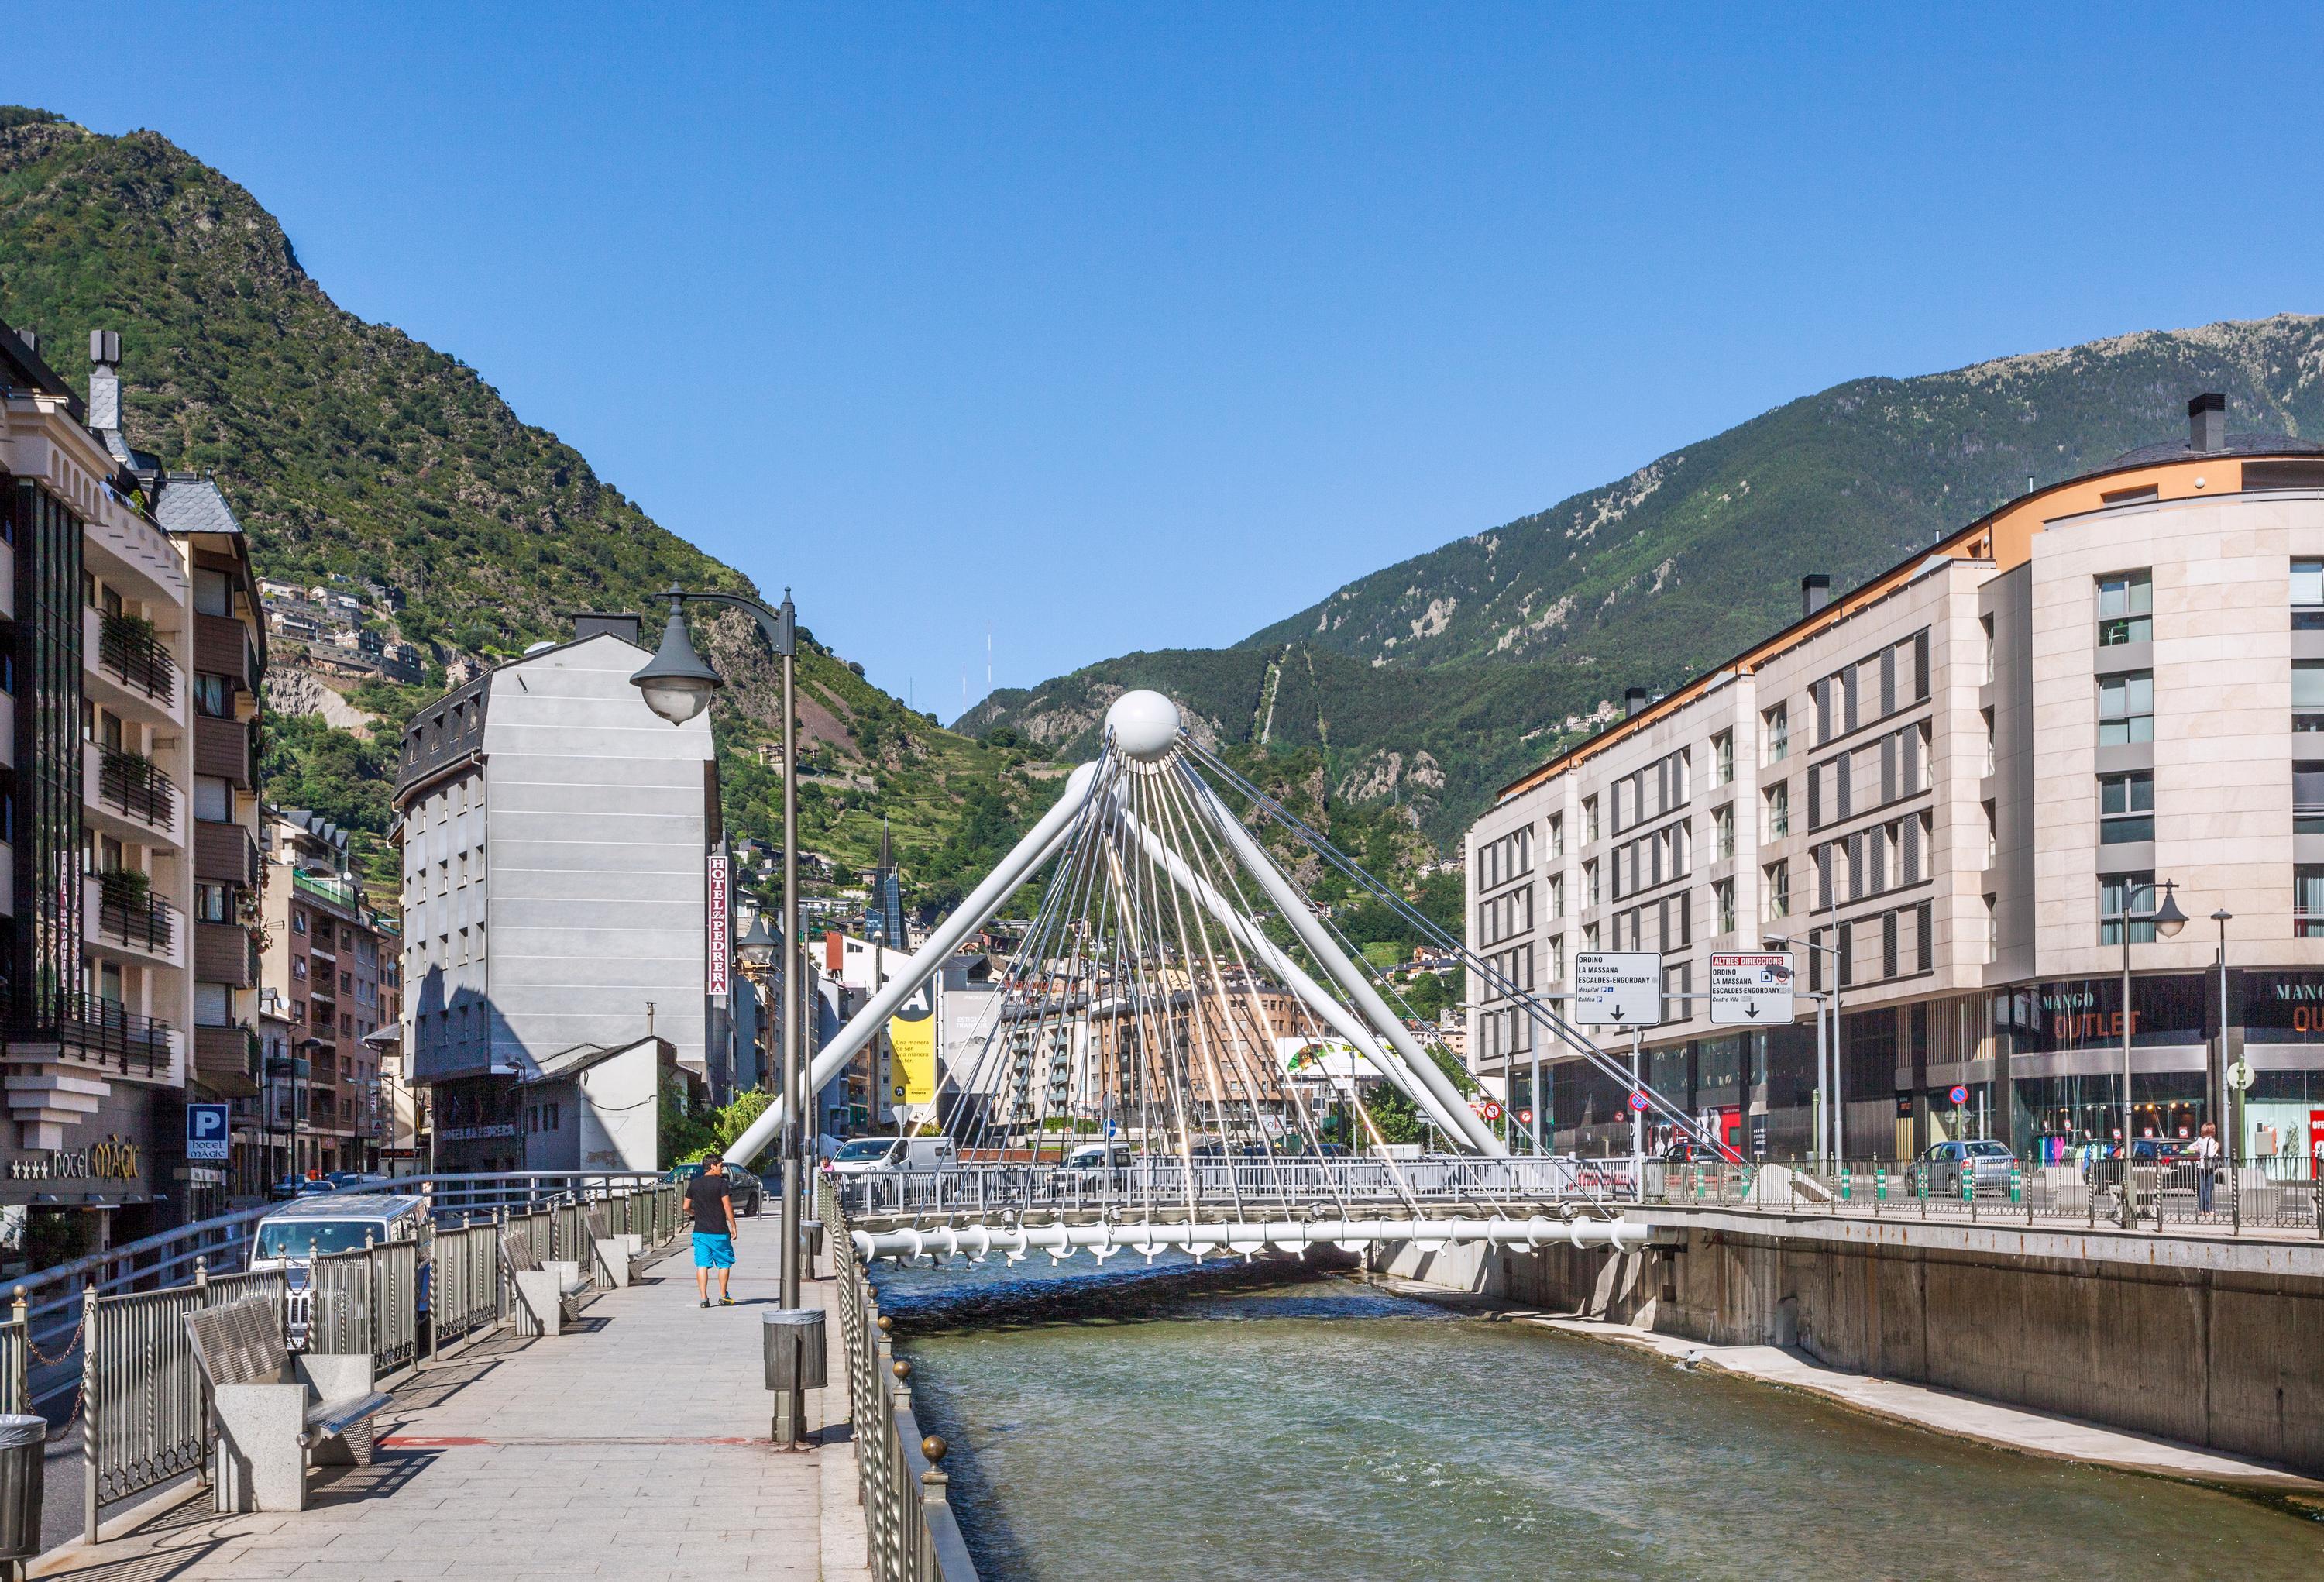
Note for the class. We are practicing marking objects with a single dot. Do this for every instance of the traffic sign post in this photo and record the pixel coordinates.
(206, 1136)
(1751, 990)
(1618, 988)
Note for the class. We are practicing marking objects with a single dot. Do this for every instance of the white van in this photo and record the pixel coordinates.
(864, 1156)
(290, 1237)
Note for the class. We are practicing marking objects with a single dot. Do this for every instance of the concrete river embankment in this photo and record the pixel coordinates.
(1143, 1425)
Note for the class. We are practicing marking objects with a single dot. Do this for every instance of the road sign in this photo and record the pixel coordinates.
(1525, 1117)
(1958, 1095)
(1747, 990)
(1618, 988)
(2239, 1076)
(205, 1130)
(1489, 1110)
(1637, 1101)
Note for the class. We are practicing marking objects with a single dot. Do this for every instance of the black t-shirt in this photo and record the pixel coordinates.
(705, 1196)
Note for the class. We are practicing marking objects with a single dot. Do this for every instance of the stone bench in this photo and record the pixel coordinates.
(549, 1295)
(278, 1414)
(622, 1258)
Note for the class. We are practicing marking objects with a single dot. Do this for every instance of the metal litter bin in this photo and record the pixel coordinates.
(792, 1341)
(811, 1239)
(23, 1441)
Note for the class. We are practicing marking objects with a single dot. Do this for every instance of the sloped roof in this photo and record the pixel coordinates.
(187, 502)
(581, 1057)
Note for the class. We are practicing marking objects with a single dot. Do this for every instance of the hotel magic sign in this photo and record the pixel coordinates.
(114, 1160)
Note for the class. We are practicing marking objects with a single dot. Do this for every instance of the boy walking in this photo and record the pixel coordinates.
(711, 1202)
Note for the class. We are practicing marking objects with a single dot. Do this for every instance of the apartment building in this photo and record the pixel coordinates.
(337, 963)
(1956, 788)
(556, 836)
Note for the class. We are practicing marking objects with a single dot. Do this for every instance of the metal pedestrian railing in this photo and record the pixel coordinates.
(2274, 1195)
(366, 1301)
(465, 1294)
(910, 1535)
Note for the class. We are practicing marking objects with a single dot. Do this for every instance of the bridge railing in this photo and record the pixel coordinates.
(1239, 1186)
(2271, 1195)
(910, 1535)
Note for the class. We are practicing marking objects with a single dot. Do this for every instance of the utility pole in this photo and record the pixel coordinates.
(790, 1405)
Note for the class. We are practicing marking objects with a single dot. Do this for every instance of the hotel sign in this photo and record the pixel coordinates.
(721, 938)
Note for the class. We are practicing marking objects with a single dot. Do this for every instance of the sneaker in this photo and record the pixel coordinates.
(705, 1301)
(726, 1301)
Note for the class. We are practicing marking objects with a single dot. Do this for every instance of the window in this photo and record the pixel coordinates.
(2307, 901)
(2127, 805)
(1590, 821)
(213, 1004)
(1778, 889)
(213, 799)
(1590, 883)
(1992, 928)
(2126, 708)
(213, 695)
(1992, 835)
(1991, 754)
(2125, 609)
(214, 903)
(1985, 625)
(299, 968)
(2307, 595)
(1556, 962)
(1722, 758)
(297, 922)
(1779, 812)
(2308, 695)
(2126, 898)
(1557, 837)
(1722, 900)
(213, 594)
(1778, 721)
(2308, 797)
(1557, 896)
(1722, 829)
(1589, 938)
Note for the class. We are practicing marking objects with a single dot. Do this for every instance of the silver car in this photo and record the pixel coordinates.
(1938, 1172)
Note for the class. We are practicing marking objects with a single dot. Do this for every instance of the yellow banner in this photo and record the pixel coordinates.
(912, 1038)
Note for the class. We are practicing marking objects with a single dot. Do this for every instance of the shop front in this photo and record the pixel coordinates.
(98, 1190)
(2064, 1042)
(2282, 1042)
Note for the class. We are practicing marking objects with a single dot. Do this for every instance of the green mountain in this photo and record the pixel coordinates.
(1437, 680)
(351, 449)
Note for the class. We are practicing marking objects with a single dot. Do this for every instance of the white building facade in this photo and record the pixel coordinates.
(1950, 788)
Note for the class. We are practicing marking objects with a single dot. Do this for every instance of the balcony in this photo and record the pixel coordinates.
(118, 910)
(222, 748)
(225, 953)
(104, 1032)
(338, 892)
(225, 1058)
(131, 651)
(132, 784)
(223, 647)
(225, 852)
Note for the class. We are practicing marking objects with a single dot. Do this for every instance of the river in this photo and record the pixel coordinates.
(1127, 1427)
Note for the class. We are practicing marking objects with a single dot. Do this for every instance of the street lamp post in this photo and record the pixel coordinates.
(2168, 920)
(2230, 1126)
(1827, 1140)
(306, 1048)
(678, 684)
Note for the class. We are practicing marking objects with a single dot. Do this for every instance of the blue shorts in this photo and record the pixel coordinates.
(712, 1251)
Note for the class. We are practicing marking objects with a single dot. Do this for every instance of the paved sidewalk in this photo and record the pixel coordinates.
(635, 1447)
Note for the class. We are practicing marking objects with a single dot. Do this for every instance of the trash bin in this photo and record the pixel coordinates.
(23, 1442)
(811, 1238)
(792, 1341)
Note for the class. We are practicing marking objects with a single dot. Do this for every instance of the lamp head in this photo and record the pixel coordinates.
(757, 946)
(678, 682)
(2167, 919)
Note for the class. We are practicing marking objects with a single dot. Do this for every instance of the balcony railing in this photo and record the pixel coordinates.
(150, 925)
(128, 647)
(106, 1032)
(133, 784)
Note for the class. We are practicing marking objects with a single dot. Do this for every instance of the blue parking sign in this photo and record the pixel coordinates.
(205, 1130)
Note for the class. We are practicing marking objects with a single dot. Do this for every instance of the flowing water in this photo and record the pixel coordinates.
(1135, 1426)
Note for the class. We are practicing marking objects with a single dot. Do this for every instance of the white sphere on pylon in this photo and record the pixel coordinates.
(1142, 724)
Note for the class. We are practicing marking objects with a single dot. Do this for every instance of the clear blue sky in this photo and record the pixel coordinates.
(1115, 328)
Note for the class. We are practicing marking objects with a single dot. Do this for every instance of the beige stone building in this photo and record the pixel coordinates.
(1950, 786)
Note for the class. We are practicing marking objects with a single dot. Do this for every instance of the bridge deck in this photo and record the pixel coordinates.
(635, 1447)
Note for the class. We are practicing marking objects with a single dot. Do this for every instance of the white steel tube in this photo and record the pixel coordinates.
(970, 915)
(1466, 1125)
(1263, 953)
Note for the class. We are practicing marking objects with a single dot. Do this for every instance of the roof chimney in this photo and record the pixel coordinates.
(2206, 422)
(104, 380)
(595, 623)
(1815, 592)
(1634, 698)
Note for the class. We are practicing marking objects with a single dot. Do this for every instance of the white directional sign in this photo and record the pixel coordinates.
(1618, 988)
(1751, 990)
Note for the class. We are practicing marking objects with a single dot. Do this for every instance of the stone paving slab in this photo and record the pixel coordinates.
(633, 1446)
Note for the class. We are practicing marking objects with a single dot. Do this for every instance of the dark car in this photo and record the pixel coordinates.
(747, 1193)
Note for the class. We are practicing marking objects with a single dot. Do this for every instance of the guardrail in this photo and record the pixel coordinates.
(365, 1300)
(2275, 1194)
(910, 1535)
(1238, 1185)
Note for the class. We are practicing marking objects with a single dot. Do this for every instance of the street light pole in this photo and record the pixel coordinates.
(1829, 1144)
(2168, 920)
(2220, 1101)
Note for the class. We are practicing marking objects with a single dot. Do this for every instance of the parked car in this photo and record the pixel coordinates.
(746, 1191)
(326, 1222)
(864, 1156)
(1938, 1171)
(290, 1187)
(1100, 1156)
(2155, 1159)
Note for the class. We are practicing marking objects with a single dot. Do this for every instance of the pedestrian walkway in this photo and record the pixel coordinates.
(636, 1446)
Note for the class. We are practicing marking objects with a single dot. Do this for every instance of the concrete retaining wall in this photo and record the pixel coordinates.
(2231, 1360)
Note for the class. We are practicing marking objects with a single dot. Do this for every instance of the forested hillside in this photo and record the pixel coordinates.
(352, 448)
